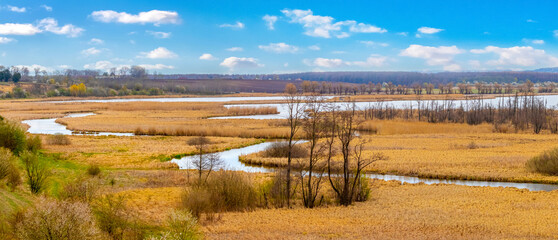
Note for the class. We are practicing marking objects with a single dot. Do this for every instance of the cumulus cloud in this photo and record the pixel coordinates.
(533, 41)
(51, 25)
(270, 21)
(434, 56)
(235, 63)
(159, 34)
(96, 41)
(237, 25)
(207, 56)
(18, 29)
(372, 61)
(90, 52)
(235, 49)
(429, 30)
(16, 9)
(326, 26)
(99, 65)
(279, 48)
(47, 8)
(525, 56)
(156, 66)
(158, 53)
(155, 17)
(4, 40)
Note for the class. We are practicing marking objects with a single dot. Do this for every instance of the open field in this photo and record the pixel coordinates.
(137, 152)
(406, 212)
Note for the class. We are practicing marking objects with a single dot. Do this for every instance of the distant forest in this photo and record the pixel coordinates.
(403, 78)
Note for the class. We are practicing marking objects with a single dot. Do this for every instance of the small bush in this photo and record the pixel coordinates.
(546, 163)
(183, 226)
(472, 145)
(81, 190)
(57, 220)
(363, 190)
(58, 139)
(6, 162)
(34, 144)
(12, 137)
(224, 191)
(274, 191)
(281, 150)
(115, 219)
(93, 170)
(14, 178)
(36, 171)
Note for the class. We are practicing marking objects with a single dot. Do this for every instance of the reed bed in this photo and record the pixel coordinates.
(243, 111)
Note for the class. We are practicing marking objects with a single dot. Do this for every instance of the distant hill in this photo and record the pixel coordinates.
(547, 70)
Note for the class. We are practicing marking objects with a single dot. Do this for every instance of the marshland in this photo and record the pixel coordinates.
(324, 166)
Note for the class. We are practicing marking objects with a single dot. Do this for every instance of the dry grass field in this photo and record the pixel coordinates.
(137, 169)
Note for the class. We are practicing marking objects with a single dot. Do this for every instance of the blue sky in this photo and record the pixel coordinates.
(281, 36)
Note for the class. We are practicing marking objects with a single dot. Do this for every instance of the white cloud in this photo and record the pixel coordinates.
(235, 49)
(364, 28)
(525, 56)
(90, 52)
(99, 65)
(429, 30)
(235, 62)
(159, 34)
(47, 8)
(155, 17)
(158, 53)
(327, 62)
(32, 67)
(372, 43)
(96, 41)
(16, 9)
(207, 56)
(537, 41)
(403, 33)
(372, 61)
(531, 21)
(279, 48)
(434, 56)
(51, 25)
(270, 21)
(237, 25)
(314, 48)
(555, 33)
(156, 66)
(326, 26)
(64, 66)
(6, 40)
(18, 29)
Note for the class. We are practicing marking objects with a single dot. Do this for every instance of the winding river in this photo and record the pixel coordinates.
(231, 157)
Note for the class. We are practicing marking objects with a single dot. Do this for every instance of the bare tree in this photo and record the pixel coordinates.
(201, 163)
(346, 179)
(295, 109)
(207, 163)
(314, 128)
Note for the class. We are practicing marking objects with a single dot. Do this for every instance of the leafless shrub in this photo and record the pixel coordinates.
(115, 219)
(50, 219)
(183, 226)
(83, 190)
(93, 170)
